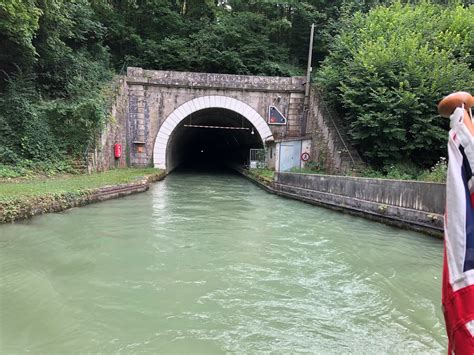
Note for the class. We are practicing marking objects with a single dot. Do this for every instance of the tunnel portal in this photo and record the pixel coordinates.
(212, 137)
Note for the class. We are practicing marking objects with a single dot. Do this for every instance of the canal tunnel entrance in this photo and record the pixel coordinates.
(210, 130)
(212, 138)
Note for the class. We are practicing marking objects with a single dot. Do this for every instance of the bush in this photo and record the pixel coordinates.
(402, 171)
(409, 171)
(8, 156)
(8, 171)
(396, 171)
(25, 134)
(51, 99)
(437, 173)
(387, 70)
(28, 168)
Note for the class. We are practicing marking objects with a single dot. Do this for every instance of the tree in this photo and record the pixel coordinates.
(19, 21)
(387, 70)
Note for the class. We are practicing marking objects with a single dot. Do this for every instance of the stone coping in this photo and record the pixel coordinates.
(418, 195)
(139, 76)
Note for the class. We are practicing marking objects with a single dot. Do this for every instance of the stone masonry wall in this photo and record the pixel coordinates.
(143, 100)
(331, 146)
(101, 156)
(215, 81)
(154, 95)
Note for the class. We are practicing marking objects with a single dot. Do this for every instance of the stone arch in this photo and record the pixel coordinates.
(200, 103)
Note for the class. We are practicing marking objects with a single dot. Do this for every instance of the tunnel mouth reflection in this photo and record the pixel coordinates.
(212, 138)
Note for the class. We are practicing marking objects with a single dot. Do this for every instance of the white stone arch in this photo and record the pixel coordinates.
(200, 103)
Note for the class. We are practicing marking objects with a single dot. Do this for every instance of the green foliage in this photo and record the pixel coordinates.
(401, 171)
(408, 171)
(239, 44)
(7, 155)
(68, 183)
(24, 131)
(438, 173)
(19, 21)
(72, 58)
(51, 105)
(387, 70)
(27, 168)
(262, 174)
(311, 167)
(46, 131)
(77, 121)
(27, 197)
(11, 171)
(198, 36)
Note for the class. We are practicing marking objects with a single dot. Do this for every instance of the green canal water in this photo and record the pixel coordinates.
(213, 264)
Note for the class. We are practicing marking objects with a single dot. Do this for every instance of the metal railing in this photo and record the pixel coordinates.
(328, 114)
(257, 158)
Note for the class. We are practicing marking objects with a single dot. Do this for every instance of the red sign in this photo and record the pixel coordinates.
(305, 156)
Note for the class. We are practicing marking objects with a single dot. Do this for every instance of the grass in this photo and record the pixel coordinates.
(20, 188)
(306, 171)
(265, 175)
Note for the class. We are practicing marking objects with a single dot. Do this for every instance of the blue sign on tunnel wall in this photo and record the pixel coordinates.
(290, 153)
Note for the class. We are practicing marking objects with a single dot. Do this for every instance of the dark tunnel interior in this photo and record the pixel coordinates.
(216, 145)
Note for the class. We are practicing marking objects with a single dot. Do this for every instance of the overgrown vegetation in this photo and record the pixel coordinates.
(53, 64)
(408, 171)
(386, 71)
(264, 175)
(398, 171)
(27, 168)
(310, 167)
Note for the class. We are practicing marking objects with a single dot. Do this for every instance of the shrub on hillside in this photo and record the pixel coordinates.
(24, 132)
(387, 70)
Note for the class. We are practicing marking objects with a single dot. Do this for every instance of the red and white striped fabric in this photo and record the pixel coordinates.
(458, 269)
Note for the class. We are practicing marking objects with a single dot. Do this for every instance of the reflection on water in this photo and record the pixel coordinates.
(210, 264)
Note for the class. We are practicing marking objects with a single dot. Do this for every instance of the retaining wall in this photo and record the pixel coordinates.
(408, 204)
(331, 146)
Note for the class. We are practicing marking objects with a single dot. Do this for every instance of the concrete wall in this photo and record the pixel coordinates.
(412, 204)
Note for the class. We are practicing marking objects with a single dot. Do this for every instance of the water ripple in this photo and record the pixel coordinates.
(213, 264)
